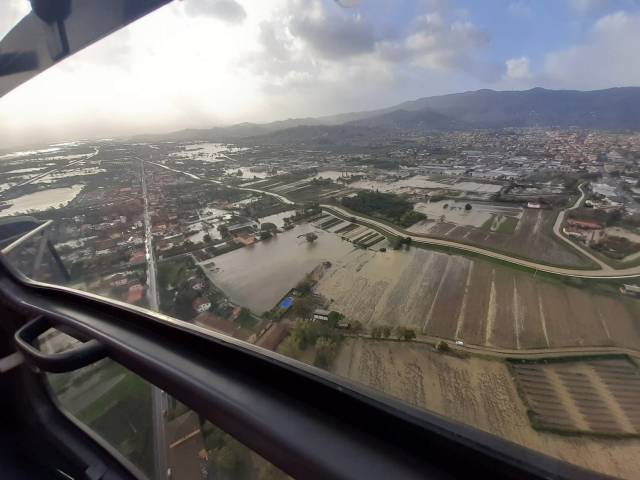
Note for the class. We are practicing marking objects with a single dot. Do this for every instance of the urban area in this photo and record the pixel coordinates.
(489, 275)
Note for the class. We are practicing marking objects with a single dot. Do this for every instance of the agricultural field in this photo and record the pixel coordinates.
(357, 234)
(594, 397)
(301, 188)
(527, 233)
(478, 392)
(476, 301)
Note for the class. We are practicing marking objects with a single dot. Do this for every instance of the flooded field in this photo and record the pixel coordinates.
(426, 183)
(28, 153)
(455, 212)
(259, 275)
(475, 301)
(277, 218)
(246, 172)
(42, 200)
(331, 174)
(75, 172)
(528, 235)
(478, 392)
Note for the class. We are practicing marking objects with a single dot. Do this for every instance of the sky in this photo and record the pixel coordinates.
(205, 63)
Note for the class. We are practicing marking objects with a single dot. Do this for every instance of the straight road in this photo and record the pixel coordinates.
(158, 397)
(605, 271)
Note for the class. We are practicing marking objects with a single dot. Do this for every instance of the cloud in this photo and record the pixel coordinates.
(436, 44)
(316, 46)
(608, 57)
(333, 36)
(12, 13)
(518, 69)
(226, 10)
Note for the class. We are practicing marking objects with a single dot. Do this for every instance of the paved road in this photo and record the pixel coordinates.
(565, 271)
(604, 272)
(158, 397)
(218, 182)
(557, 230)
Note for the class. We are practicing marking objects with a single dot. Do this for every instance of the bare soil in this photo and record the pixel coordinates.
(481, 393)
(475, 301)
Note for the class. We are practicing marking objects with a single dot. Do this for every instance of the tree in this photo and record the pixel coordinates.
(442, 346)
(385, 331)
(224, 231)
(207, 238)
(467, 206)
(226, 459)
(311, 237)
(326, 350)
(614, 217)
(290, 347)
(268, 227)
(245, 318)
(376, 332)
(335, 318)
(356, 326)
(409, 334)
(302, 307)
(305, 285)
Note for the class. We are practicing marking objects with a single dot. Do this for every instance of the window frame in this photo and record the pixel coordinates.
(321, 425)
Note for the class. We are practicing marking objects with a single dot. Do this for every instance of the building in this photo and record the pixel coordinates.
(584, 224)
(320, 314)
(135, 293)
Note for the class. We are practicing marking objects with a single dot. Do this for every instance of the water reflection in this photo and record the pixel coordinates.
(259, 275)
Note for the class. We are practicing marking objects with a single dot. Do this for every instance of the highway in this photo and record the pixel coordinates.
(604, 272)
(158, 397)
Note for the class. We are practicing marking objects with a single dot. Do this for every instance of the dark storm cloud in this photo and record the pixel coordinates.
(227, 10)
(335, 37)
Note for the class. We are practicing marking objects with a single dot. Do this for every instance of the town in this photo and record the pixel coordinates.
(521, 240)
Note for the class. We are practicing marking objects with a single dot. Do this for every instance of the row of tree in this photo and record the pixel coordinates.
(401, 333)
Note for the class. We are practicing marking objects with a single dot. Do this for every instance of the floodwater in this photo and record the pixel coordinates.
(42, 200)
(25, 170)
(27, 152)
(76, 172)
(246, 172)
(277, 218)
(456, 213)
(422, 182)
(332, 174)
(259, 275)
(211, 152)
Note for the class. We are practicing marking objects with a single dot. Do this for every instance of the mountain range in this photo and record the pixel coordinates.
(613, 109)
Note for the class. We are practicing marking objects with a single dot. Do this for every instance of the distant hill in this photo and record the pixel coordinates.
(612, 109)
